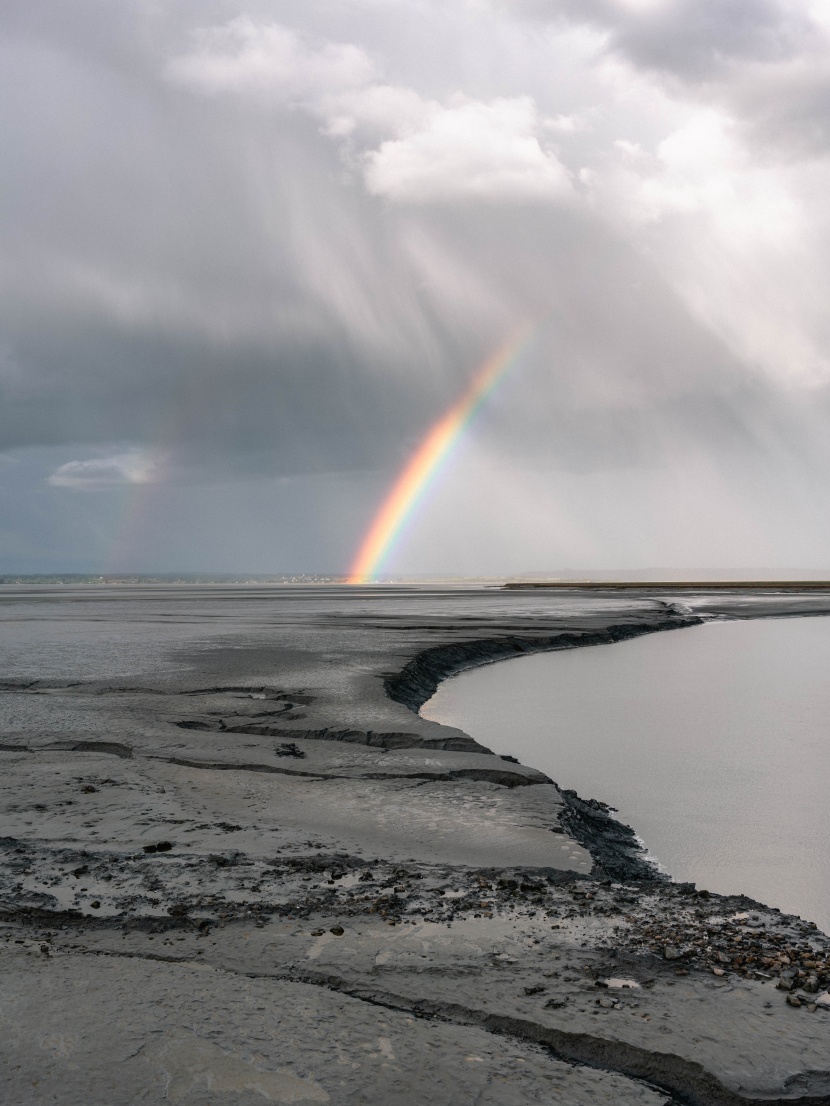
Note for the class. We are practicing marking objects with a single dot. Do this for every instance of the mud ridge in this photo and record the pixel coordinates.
(449, 1016)
(615, 847)
(374, 739)
(112, 748)
(685, 1082)
(418, 680)
(231, 766)
(504, 778)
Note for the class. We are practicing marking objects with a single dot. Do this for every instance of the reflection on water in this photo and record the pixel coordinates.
(713, 742)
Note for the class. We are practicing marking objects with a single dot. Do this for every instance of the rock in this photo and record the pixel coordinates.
(317, 932)
(718, 971)
(793, 1000)
(338, 931)
(95, 905)
(538, 990)
(810, 984)
(289, 749)
(784, 984)
(824, 1000)
(672, 952)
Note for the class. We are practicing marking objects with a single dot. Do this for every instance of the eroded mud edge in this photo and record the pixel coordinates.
(614, 846)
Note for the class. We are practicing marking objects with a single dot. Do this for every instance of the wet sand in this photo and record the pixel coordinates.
(238, 866)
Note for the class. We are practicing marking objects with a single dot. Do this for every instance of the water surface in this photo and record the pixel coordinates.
(713, 742)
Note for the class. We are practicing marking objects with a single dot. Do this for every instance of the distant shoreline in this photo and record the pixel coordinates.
(673, 585)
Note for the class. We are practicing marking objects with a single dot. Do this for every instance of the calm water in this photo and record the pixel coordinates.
(713, 742)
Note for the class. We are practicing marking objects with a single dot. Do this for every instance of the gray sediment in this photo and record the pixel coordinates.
(253, 872)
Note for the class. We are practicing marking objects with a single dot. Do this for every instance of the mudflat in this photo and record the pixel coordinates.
(239, 867)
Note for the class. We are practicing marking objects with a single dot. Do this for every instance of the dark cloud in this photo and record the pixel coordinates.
(692, 39)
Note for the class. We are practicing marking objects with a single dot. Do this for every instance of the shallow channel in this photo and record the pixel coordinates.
(713, 742)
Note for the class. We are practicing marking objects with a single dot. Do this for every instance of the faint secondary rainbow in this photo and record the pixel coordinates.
(425, 463)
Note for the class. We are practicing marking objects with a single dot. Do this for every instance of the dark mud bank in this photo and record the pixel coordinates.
(614, 846)
(418, 680)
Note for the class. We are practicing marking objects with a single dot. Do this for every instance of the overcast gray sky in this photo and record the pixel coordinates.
(251, 253)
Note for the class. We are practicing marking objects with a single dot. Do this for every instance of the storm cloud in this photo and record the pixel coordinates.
(251, 252)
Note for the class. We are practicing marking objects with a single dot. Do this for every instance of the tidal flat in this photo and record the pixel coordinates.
(239, 867)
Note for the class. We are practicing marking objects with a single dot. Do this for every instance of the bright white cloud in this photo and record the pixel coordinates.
(378, 109)
(101, 473)
(697, 167)
(429, 151)
(730, 237)
(470, 150)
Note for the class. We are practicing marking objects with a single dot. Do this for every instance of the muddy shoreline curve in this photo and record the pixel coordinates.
(616, 850)
(418, 680)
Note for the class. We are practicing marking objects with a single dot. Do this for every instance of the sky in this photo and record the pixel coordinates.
(250, 255)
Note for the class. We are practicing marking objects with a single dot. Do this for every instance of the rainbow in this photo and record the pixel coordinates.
(424, 465)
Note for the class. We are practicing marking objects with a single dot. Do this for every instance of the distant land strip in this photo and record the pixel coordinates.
(675, 585)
